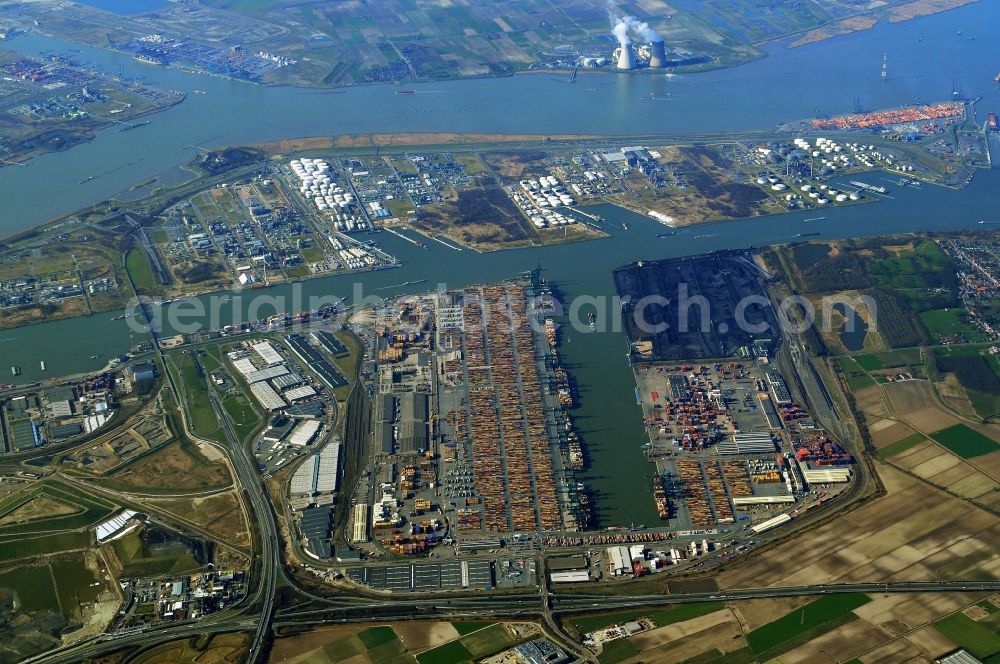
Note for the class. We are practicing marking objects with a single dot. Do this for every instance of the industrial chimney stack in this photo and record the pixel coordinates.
(626, 56)
(657, 54)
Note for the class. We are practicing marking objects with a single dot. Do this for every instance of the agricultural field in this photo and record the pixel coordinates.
(821, 615)
(885, 539)
(965, 442)
(800, 630)
(661, 617)
(408, 642)
(904, 424)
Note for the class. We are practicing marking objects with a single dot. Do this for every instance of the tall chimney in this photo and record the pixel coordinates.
(626, 56)
(657, 54)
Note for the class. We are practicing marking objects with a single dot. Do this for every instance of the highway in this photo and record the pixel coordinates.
(522, 606)
(269, 558)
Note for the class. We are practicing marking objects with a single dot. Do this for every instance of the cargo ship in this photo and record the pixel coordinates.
(592, 321)
(869, 187)
(405, 92)
(576, 460)
(149, 59)
(991, 121)
(15, 370)
(660, 496)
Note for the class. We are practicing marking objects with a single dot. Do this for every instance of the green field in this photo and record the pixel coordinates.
(906, 357)
(919, 268)
(901, 446)
(34, 587)
(195, 393)
(617, 651)
(741, 656)
(74, 585)
(487, 641)
(977, 638)
(91, 509)
(944, 323)
(965, 442)
(467, 627)
(140, 270)
(374, 637)
(474, 644)
(449, 653)
(662, 617)
(53, 534)
(139, 559)
(804, 624)
(856, 377)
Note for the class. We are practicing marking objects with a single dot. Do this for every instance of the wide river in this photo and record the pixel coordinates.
(786, 85)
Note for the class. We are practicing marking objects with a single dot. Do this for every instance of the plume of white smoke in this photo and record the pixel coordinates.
(642, 29)
(620, 30)
(622, 26)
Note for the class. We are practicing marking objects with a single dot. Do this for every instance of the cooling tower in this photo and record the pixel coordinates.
(657, 54)
(626, 56)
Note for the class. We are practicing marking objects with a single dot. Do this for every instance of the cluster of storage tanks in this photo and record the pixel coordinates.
(539, 200)
(314, 174)
(546, 191)
(820, 194)
(833, 155)
(355, 258)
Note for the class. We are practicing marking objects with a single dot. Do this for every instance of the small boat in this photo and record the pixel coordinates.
(15, 370)
(624, 226)
(405, 92)
(87, 179)
(42, 365)
(122, 317)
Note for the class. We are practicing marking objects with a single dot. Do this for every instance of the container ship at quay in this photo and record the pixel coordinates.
(660, 497)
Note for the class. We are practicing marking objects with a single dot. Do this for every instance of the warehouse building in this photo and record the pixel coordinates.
(747, 443)
(383, 438)
(320, 474)
(778, 388)
(299, 393)
(267, 353)
(740, 501)
(413, 406)
(310, 409)
(412, 437)
(359, 528)
(329, 342)
(287, 380)
(304, 432)
(315, 525)
(326, 372)
(266, 396)
(266, 373)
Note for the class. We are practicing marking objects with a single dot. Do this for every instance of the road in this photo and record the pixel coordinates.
(269, 558)
(522, 606)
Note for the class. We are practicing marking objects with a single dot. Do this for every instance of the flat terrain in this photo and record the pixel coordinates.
(885, 539)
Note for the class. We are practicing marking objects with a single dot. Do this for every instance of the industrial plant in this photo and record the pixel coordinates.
(653, 54)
